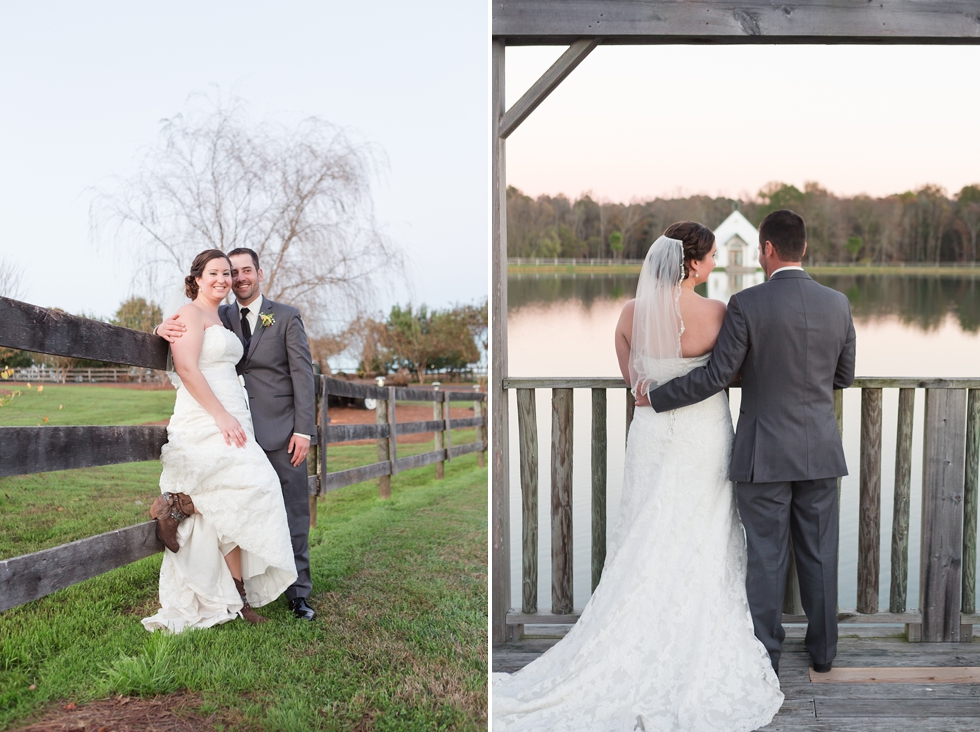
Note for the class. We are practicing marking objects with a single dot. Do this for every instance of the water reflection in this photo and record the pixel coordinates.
(562, 325)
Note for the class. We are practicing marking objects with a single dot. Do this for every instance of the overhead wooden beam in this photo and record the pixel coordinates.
(41, 330)
(560, 22)
(548, 82)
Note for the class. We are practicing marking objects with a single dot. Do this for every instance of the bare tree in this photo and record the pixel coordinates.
(11, 278)
(300, 197)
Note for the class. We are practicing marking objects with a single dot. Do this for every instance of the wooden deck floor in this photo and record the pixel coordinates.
(850, 707)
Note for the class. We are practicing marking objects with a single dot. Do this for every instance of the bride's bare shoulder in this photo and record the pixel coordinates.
(626, 315)
(191, 315)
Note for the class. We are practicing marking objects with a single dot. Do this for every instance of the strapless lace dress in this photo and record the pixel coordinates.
(666, 641)
(237, 493)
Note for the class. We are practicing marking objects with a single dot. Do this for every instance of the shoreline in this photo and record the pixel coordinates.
(916, 270)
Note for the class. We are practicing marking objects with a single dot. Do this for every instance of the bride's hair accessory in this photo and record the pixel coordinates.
(696, 240)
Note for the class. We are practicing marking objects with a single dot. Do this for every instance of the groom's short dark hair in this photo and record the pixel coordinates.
(249, 252)
(787, 232)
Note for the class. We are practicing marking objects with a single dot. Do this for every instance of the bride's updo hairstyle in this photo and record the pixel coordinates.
(197, 270)
(697, 241)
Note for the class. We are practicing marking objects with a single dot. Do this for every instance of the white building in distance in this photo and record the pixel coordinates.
(738, 244)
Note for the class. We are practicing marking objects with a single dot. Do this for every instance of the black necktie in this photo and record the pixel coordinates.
(246, 328)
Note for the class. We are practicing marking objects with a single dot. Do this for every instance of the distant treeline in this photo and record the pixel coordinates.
(926, 225)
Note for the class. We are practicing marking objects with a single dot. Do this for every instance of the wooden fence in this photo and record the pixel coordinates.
(99, 375)
(951, 452)
(25, 450)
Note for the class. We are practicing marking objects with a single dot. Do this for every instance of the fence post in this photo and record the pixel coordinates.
(440, 439)
(381, 413)
(527, 430)
(561, 502)
(598, 484)
(869, 512)
(446, 425)
(312, 459)
(480, 431)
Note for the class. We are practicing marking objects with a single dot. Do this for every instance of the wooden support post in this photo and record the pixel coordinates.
(498, 405)
(447, 424)
(481, 456)
(527, 429)
(869, 513)
(943, 477)
(599, 451)
(897, 599)
(439, 439)
(561, 501)
(968, 603)
(381, 416)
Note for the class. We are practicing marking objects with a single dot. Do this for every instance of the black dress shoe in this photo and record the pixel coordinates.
(822, 668)
(301, 608)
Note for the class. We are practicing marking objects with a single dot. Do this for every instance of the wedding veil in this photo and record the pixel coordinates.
(655, 350)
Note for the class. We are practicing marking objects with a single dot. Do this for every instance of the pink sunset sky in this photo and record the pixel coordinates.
(646, 121)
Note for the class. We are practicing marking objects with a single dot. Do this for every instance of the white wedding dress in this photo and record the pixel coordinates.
(666, 640)
(237, 494)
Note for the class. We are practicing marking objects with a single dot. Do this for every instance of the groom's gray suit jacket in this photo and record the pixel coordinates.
(793, 342)
(278, 374)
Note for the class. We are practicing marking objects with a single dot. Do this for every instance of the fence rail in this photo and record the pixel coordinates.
(99, 375)
(951, 449)
(25, 450)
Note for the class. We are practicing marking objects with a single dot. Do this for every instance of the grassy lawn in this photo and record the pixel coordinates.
(73, 404)
(400, 587)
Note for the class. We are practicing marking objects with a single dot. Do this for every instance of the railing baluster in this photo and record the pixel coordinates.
(561, 501)
(527, 430)
(598, 484)
(438, 440)
(897, 600)
(869, 525)
(968, 604)
(943, 477)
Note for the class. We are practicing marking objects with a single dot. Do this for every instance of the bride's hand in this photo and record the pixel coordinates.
(231, 430)
(643, 401)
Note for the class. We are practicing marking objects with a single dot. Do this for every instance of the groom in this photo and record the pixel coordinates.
(278, 373)
(793, 342)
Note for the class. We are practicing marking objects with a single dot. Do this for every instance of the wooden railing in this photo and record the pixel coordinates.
(26, 450)
(951, 448)
(100, 375)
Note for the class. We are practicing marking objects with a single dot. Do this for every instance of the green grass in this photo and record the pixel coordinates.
(400, 587)
(400, 642)
(68, 404)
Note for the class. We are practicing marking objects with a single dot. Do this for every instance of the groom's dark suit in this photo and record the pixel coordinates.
(278, 373)
(793, 342)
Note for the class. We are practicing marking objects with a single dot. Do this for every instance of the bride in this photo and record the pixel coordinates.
(666, 641)
(221, 514)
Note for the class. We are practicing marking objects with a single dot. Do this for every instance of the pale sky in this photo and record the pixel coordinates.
(83, 86)
(647, 121)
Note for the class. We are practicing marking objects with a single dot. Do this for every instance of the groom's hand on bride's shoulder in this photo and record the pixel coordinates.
(170, 329)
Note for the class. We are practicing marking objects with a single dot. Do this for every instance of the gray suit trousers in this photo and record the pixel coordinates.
(296, 496)
(770, 512)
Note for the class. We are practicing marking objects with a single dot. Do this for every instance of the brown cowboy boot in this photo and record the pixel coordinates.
(247, 612)
(169, 509)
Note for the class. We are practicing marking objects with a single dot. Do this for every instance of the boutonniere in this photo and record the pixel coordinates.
(267, 319)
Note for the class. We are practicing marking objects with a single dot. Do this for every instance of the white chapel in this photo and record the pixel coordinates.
(738, 244)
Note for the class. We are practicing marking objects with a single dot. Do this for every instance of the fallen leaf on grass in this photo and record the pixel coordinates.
(32, 687)
(70, 707)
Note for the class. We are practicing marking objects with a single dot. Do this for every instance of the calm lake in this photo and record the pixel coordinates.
(562, 325)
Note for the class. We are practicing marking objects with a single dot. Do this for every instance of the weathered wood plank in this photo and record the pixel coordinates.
(344, 478)
(381, 415)
(904, 708)
(897, 599)
(846, 617)
(313, 461)
(324, 420)
(943, 478)
(869, 513)
(420, 460)
(414, 428)
(615, 382)
(465, 449)
(336, 433)
(404, 394)
(599, 450)
(968, 602)
(392, 442)
(500, 427)
(465, 396)
(548, 82)
(481, 431)
(561, 500)
(527, 432)
(32, 576)
(31, 328)
(899, 675)
(42, 449)
(447, 427)
(339, 387)
(558, 22)
(459, 424)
